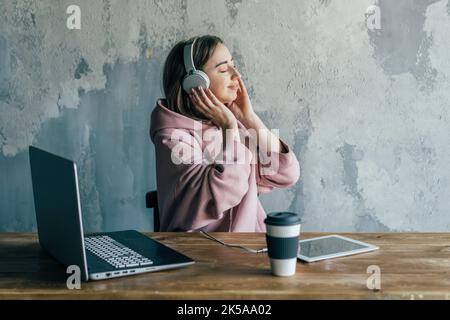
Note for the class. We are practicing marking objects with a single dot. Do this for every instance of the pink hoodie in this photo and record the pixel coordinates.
(201, 194)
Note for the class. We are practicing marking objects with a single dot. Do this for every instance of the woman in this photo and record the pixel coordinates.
(208, 179)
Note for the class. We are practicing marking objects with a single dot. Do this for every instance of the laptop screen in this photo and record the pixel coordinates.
(57, 206)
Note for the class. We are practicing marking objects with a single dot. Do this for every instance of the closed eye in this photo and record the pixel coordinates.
(226, 70)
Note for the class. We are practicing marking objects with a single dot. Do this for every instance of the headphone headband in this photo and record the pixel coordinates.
(189, 57)
(193, 78)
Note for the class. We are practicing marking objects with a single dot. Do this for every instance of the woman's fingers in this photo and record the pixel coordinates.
(212, 97)
(199, 100)
(242, 86)
(205, 98)
(199, 104)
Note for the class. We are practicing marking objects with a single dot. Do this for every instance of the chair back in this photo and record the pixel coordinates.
(151, 201)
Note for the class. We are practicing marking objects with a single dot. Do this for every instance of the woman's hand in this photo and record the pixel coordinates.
(242, 107)
(207, 103)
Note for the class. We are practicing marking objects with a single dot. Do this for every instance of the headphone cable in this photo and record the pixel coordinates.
(210, 237)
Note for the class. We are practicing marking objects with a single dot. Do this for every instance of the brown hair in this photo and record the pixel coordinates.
(174, 72)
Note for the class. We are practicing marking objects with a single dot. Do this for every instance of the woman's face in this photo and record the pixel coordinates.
(222, 74)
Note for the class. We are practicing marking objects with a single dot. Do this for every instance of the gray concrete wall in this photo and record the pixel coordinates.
(366, 111)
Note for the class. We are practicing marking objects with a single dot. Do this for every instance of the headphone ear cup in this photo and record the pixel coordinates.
(195, 79)
(205, 77)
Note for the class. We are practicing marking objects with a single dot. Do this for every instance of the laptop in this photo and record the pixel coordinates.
(60, 228)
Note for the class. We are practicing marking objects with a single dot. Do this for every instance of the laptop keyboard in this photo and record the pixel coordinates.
(115, 253)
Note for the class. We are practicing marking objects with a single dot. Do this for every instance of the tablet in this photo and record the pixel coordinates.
(331, 246)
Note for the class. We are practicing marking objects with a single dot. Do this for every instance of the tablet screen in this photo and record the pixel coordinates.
(327, 246)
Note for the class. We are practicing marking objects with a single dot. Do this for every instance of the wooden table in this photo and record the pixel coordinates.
(413, 266)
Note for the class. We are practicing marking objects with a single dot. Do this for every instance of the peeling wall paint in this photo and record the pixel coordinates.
(365, 111)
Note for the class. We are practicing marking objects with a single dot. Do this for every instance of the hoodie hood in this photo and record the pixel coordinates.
(164, 118)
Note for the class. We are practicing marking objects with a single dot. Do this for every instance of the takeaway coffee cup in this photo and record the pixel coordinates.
(282, 236)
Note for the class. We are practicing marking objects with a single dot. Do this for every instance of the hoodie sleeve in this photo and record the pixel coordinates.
(203, 189)
(277, 170)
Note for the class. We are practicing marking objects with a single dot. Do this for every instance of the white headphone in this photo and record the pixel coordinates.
(194, 78)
